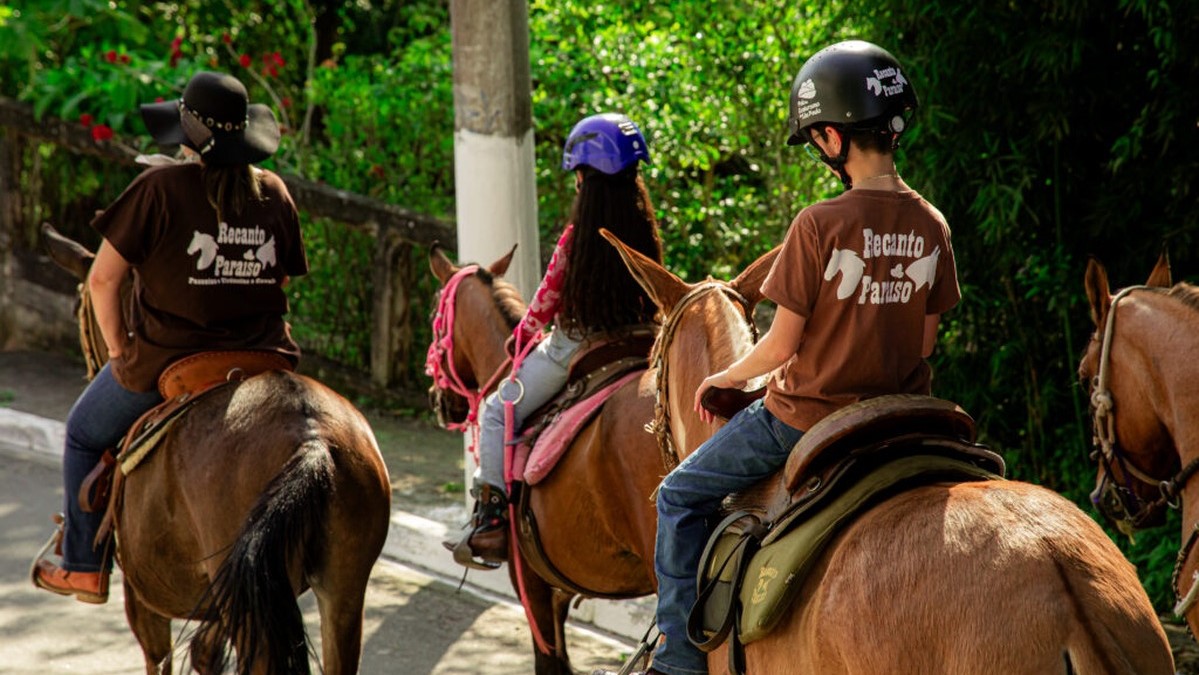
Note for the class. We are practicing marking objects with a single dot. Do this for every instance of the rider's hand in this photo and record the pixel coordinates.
(719, 380)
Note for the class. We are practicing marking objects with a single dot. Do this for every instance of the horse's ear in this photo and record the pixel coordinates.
(664, 288)
(67, 253)
(500, 266)
(1160, 276)
(442, 268)
(1098, 292)
(749, 282)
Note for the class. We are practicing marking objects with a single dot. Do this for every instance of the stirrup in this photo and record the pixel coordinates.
(55, 541)
(463, 555)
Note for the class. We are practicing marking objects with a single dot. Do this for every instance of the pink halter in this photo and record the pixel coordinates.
(439, 362)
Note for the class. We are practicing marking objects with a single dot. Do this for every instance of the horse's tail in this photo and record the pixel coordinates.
(251, 599)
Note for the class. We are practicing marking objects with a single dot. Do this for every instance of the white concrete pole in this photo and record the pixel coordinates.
(494, 176)
(495, 182)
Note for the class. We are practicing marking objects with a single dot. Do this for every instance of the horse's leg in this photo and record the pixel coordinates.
(547, 608)
(341, 625)
(153, 633)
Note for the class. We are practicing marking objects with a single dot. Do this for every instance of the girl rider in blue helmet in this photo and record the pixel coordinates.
(587, 291)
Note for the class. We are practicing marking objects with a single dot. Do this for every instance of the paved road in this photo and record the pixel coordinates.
(415, 624)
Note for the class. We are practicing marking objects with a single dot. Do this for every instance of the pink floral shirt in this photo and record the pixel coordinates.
(548, 297)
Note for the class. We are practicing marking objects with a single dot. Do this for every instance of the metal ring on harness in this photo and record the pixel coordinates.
(519, 395)
(235, 374)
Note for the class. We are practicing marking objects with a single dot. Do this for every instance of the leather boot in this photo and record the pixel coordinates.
(487, 538)
(89, 587)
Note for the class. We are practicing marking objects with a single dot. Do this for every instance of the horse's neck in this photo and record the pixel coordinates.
(485, 350)
(701, 350)
(1157, 359)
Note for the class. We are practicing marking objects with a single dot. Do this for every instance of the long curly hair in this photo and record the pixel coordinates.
(599, 294)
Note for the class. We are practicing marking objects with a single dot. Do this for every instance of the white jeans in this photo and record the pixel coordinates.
(543, 374)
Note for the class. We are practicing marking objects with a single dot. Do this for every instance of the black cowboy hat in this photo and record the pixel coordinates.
(216, 119)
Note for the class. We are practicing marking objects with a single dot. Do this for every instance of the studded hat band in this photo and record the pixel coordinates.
(211, 123)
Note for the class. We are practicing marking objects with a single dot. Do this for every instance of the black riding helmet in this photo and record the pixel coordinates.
(850, 85)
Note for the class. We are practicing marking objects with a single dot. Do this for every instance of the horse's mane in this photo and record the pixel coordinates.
(1188, 294)
(506, 297)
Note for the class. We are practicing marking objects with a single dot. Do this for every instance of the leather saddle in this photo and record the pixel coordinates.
(183, 383)
(759, 556)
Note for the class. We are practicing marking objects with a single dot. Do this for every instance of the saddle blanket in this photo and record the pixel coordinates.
(536, 463)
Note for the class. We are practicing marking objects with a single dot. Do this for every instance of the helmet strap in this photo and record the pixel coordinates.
(837, 163)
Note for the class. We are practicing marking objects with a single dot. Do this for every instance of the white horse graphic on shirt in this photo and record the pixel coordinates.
(207, 247)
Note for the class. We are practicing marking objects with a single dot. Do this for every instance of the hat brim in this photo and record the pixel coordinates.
(257, 142)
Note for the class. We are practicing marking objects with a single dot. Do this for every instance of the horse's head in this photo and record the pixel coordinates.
(76, 259)
(706, 326)
(474, 313)
(1131, 445)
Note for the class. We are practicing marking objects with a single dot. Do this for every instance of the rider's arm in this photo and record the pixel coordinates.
(104, 283)
(548, 296)
(775, 348)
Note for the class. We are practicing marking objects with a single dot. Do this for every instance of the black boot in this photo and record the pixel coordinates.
(485, 544)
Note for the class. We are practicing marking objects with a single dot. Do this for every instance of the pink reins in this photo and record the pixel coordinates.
(439, 361)
(439, 365)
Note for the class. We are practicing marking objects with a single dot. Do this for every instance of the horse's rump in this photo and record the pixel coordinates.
(975, 568)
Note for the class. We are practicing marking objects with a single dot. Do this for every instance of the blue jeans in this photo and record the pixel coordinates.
(753, 445)
(98, 420)
(543, 374)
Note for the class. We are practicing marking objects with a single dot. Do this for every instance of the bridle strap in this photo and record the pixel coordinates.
(1103, 404)
(439, 361)
(1101, 396)
(660, 427)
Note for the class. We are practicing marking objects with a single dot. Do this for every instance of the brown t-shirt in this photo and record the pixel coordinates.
(864, 269)
(200, 284)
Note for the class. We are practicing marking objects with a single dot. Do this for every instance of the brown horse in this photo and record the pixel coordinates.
(262, 490)
(593, 511)
(1143, 378)
(983, 577)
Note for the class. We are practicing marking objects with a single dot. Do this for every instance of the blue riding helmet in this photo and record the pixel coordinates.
(608, 142)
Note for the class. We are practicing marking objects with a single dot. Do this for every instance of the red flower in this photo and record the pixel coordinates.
(110, 56)
(278, 59)
(101, 132)
(85, 119)
(175, 58)
(158, 99)
(125, 59)
(227, 38)
(176, 43)
(378, 172)
(245, 60)
(286, 102)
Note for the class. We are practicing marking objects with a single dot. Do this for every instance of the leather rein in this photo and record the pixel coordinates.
(660, 427)
(1135, 510)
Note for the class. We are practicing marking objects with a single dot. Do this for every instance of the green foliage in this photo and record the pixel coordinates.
(708, 83)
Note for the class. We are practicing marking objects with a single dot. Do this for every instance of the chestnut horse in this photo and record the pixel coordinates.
(983, 577)
(1143, 378)
(263, 489)
(593, 511)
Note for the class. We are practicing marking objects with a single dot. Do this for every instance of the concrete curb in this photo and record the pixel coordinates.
(412, 540)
